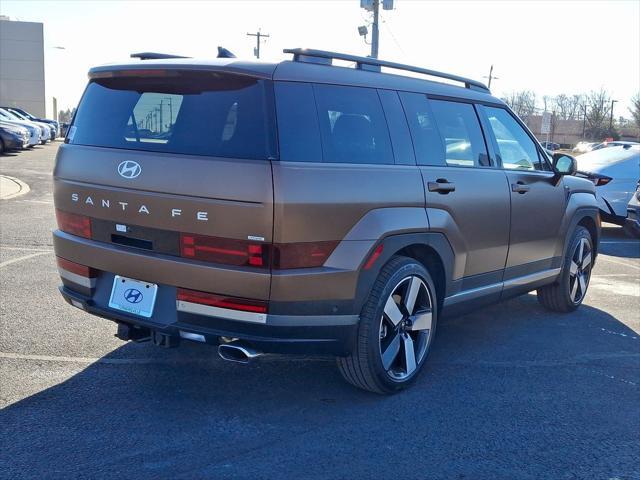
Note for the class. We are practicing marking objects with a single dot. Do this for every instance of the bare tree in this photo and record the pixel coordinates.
(597, 114)
(523, 103)
(567, 107)
(576, 106)
(635, 110)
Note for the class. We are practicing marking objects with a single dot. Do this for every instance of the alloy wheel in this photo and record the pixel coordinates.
(580, 270)
(405, 327)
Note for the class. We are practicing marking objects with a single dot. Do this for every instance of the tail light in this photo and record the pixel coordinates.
(222, 301)
(224, 250)
(74, 224)
(228, 251)
(301, 255)
(76, 268)
(600, 180)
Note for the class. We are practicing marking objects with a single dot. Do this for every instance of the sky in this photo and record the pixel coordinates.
(550, 47)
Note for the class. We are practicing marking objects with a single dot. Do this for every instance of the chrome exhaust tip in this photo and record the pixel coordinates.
(238, 353)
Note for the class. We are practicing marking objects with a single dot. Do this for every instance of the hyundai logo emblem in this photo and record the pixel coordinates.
(129, 169)
(133, 295)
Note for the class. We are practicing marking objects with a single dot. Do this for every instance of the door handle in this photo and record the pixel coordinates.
(441, 186)
(520, 187)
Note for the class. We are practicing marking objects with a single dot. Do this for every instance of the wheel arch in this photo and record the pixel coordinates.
(431, 249)
(588, 218)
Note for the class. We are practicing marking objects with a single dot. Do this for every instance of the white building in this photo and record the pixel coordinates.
(22, 66)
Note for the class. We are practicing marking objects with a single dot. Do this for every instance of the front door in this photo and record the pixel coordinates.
(467, 197)
(538, 199)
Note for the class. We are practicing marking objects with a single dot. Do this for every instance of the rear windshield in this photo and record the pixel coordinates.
(195, 113)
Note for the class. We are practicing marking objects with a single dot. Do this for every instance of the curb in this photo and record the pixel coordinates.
(13, 187)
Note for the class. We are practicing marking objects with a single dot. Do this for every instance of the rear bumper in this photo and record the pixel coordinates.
(291, 326)
(279, 334)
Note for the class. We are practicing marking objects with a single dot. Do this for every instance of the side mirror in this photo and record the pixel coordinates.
(564, 164)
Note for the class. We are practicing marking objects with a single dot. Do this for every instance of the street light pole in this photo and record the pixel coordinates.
(611, 116)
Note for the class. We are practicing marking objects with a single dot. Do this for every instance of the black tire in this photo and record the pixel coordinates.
(364, 367)
(1, 147)
(560, 296)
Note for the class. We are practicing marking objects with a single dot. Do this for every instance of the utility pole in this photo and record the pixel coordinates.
(375, 32)
(490, 77)
(611, 116)
(258, 35)
(373, 6)
(584, 120)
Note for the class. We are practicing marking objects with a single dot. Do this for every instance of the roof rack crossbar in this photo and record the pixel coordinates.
(154, 56)
(368, 63)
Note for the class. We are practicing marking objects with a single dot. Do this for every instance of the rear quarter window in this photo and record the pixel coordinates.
(195, 113)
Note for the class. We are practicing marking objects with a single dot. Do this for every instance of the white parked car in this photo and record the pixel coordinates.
(615, 172)
(35, 132)
(45, 130)
(584, 147)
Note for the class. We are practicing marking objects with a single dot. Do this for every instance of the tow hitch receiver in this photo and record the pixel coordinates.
(137, 334)
(164, 340)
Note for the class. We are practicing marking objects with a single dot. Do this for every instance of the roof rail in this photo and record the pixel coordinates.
(373, 64)
(154, 56)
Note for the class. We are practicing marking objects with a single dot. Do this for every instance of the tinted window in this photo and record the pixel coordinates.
(398, 129)
(352, 125)
(298, 131)
(426, 138)
(461, 134)
(515, 147)
(188, 112)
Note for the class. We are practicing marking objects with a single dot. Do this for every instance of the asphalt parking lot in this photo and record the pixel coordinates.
(510, 391)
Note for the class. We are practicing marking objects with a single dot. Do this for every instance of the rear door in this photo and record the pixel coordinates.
(150, 157)
(467, 197)
(345, 156)
(538, 199)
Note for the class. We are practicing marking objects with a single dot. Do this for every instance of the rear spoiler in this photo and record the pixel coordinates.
(155, 56)
(222, 53)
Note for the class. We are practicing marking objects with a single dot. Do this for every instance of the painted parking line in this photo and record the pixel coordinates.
(25, 249)
(20, 259)
(151, 361)
(618, 262)
(620, 242)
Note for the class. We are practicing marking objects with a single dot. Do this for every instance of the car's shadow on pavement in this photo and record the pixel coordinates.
(510, 391)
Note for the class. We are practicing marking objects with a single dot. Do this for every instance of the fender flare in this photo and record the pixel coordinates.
(391, 244)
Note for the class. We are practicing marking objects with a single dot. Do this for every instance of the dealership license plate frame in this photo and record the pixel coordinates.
(142, 308)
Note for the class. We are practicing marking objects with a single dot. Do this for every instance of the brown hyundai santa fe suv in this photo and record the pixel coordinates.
(301, 207)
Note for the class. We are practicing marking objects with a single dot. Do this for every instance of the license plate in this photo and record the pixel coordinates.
(133, 296)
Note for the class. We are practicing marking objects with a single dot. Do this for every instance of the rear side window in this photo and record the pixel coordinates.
(195, 113)
(352, 125)
(461, 134)
(426, 138)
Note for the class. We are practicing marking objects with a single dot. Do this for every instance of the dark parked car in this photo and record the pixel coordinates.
(13, 137)
(551, 146)
(378, 203)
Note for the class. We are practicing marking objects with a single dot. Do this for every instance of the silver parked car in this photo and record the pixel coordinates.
(615, 172)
